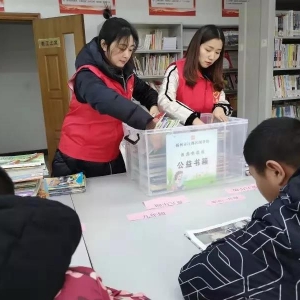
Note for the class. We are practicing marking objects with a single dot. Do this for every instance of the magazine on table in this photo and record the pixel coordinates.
(65, 185)
(202, 238)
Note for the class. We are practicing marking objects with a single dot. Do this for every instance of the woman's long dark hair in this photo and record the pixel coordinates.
(114, 30)
(191, 67)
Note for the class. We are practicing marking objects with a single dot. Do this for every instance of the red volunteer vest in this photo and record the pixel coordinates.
(200, 98)
(87, 134)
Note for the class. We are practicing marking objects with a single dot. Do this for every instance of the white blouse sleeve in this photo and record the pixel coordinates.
(167, 97)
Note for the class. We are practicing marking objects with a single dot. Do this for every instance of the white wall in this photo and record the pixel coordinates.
(22, 124)
(208, 12)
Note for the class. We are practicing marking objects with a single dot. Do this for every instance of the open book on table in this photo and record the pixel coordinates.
(202, 238)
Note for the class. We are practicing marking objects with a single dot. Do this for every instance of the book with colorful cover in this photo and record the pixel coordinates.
(64, 185)
(19, 161)
(43, 190)
(27, 177)
(28, 188)
(165, 122)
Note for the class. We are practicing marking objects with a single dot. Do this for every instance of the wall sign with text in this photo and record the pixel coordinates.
(230, 8)
(86, 6)
(1, 5)
(172, 7)
(49, 43)
(191, 159)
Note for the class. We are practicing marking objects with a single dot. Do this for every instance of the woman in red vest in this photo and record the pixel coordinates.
(102, 88)
(194, 85)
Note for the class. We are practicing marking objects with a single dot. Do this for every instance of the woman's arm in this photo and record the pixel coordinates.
(167, 99)
(145, 94)
(92, 90)
(224, 104)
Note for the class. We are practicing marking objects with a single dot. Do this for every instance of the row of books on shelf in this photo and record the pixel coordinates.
(287, 23)
(285, 86)
(231, 81)
(30, 176)
(153, 65)
(230, 60)
(286, 55)
(292, 111)
(231, 37)
(156, 41)
(156, 64)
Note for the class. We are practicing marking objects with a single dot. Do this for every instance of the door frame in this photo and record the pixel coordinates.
(19, 17)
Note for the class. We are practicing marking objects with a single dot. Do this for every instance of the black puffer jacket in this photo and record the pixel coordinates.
(37, 240)
(90, 89)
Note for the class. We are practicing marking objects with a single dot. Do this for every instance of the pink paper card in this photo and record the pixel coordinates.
(241, 189)
(150, 214)
(165, 202)
(226, 200)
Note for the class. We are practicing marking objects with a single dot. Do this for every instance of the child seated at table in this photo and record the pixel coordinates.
(262, 260)
(38, 238)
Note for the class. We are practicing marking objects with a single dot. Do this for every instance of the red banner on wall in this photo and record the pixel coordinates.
(86, 7)
(172, 8)
(228, 10)
(1, 5)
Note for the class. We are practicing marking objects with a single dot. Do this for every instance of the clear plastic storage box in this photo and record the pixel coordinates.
(167, 160)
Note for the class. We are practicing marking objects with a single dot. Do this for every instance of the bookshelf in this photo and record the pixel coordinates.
(230, 66)
(159, 46)
(286, 67)
(269, 61)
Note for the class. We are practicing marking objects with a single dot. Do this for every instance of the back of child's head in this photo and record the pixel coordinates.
(276, 139)
(6, 184)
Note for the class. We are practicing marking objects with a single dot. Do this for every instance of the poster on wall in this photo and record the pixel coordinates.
(172, 7)
(191, 159)
(230, 8)
(86, 6)
(1, 5)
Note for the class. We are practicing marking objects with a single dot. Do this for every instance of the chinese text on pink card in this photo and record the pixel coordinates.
(241, 189)
(150, 214)
(165, 202)
(226, 200)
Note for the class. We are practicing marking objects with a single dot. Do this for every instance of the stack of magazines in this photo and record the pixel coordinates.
(65, 185)
(26, 171)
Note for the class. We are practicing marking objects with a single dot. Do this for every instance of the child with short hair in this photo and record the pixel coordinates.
(6, 184)
(260, 261)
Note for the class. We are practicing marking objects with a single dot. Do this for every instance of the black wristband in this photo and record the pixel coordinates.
(189, 121)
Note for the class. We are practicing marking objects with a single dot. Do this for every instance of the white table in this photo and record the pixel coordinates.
(80, 257)
(147, 255)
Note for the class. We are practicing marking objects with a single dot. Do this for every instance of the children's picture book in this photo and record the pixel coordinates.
(202, 238)
(165, 122)
(65, 185)
(28, 188)
(21, 161)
